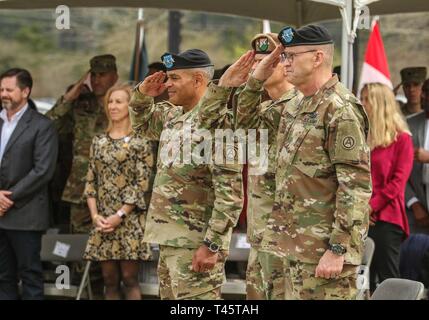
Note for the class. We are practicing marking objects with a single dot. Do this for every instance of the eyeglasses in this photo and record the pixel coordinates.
(291, 55)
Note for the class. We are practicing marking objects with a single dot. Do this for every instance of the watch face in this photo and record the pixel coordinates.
(214, 247)
(338, 249)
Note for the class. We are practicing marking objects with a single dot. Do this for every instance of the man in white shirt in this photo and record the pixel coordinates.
(28, 152)
(417, 191)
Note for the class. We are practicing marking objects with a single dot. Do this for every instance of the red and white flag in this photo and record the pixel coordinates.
(375, 67)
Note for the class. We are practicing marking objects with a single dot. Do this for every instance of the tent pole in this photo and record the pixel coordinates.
(346, 46)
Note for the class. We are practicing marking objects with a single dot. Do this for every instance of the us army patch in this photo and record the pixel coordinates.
(348, 143)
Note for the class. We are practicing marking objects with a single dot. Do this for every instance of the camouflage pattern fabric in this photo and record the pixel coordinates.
(263, 279)
(404, 109)
(257, 112)
(301, 283)
(323, 181)
(80, 218)
(84, 118)
(190, 201)
(273, 275)
(178, 281)
(253, 113)
(254, 284)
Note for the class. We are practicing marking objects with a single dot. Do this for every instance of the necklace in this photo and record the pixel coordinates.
(126, 140)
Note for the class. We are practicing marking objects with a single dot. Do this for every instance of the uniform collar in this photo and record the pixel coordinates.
(313, 102)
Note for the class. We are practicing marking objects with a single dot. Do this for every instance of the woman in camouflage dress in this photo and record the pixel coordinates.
(119, 178)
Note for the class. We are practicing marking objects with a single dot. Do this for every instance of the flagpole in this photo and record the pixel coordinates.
(139, 43)
(266, 27)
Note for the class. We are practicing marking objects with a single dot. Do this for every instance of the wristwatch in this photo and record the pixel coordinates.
(213, 247)
(121, 213)
(337, 249)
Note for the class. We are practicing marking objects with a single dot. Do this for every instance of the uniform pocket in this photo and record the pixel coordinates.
(307, 170)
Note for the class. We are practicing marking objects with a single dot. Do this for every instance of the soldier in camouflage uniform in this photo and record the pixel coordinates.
(194, 205)
(80, 112)
(323, 183)
(263, 112)
(412, 81)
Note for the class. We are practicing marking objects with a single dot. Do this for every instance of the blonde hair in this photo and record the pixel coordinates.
(385, 118)
(121, 87)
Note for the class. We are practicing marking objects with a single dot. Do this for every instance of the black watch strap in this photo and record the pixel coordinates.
(213, 247)
(337, 249)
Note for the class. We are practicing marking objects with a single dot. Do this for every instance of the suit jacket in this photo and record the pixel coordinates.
(415, 187)
(27, 166)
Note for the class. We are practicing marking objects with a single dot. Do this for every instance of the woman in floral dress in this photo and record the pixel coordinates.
(119, 181)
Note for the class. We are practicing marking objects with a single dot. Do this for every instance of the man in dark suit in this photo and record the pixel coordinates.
(28, 151)
(417, 191)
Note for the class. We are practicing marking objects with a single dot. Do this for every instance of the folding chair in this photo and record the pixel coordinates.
(399, 289)
(238, 252)
(149, 285)
(66, 248)
(362, 282)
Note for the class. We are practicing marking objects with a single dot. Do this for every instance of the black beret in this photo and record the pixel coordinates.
(307, 35)
(193, 58)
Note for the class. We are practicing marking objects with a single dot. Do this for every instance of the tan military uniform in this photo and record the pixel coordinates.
(84, 118)
(323, 186)
(264, 280)
(190, 200)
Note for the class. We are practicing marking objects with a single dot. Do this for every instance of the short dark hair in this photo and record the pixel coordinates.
(23, 77)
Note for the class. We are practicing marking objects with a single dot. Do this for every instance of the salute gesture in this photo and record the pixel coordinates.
(76, 90)
(267, 66)
(238, 72)
(154, 84)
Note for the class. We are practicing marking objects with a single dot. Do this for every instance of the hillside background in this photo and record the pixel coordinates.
(57, 58)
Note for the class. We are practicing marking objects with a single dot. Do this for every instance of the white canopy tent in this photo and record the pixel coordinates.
(293, 12)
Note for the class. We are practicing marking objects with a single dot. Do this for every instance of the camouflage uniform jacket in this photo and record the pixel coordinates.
(252, 113)
(84, 118)
(323, 180)
(190, 200)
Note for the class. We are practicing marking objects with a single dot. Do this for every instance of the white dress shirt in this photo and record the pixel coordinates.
(8, 127)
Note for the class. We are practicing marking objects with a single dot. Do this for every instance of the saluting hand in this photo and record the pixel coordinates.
(238, 72)
(154, 84)
(266, 67)
(75, 91)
